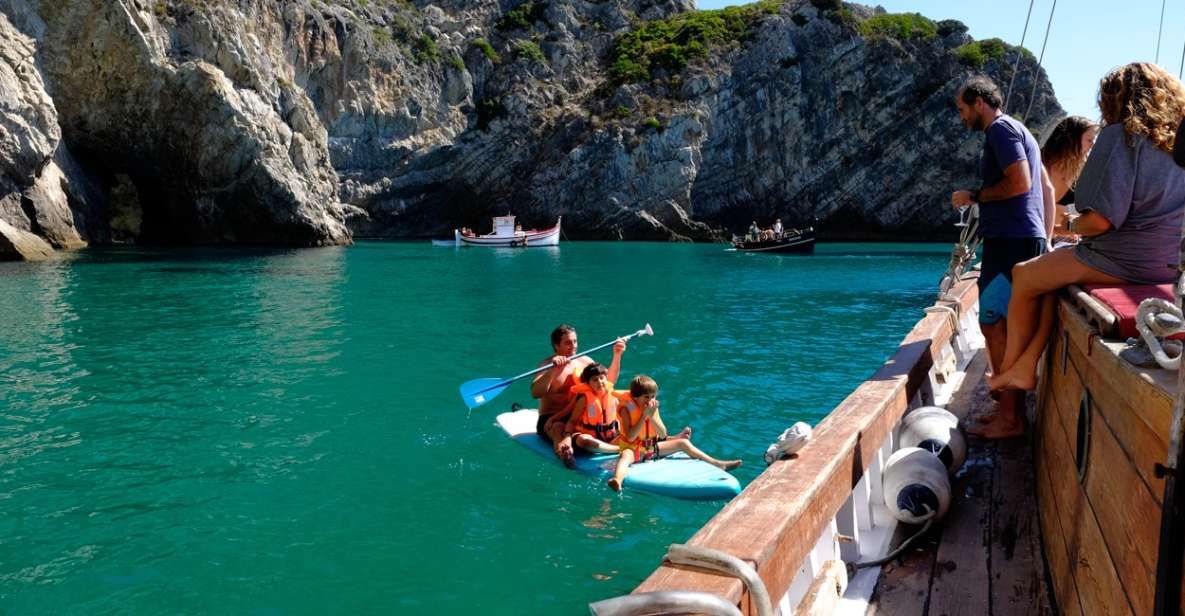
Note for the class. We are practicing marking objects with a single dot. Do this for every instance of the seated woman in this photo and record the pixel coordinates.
(1064, 156)
(1132, 197)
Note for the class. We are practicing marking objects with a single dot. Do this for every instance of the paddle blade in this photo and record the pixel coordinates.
(479, 391)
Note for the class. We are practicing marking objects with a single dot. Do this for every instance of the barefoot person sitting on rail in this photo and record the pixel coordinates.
(1132, 198)
(643, 434)
(553, 387)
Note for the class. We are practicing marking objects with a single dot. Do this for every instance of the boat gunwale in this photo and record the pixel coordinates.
(773, 522)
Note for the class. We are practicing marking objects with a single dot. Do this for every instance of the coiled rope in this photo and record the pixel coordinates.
(683, 602)
(1157, 319)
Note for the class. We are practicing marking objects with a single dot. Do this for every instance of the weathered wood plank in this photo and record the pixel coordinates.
(961, 578)
(1018, 567)
(1137, 403)
(904, 586)
(1057, 551)
(797, 498)
(1128, 516)
(1096, 579)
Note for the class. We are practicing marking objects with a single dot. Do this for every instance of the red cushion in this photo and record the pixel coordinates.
(1124, 300)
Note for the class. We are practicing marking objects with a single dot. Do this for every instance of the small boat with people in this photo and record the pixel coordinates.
(793, 241)
(507, 233)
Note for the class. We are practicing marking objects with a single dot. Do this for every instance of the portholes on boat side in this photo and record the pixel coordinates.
(1082, 451)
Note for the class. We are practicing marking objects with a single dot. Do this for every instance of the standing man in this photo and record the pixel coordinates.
(1011, 221)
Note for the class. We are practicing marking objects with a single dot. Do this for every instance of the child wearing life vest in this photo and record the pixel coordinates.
(592, 420)
(643, 435)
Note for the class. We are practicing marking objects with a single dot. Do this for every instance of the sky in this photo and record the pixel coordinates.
(1087, 39)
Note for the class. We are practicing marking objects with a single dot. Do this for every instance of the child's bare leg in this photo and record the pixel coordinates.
(623, 465)
(684, 433)
(666, 448)
(594, 445)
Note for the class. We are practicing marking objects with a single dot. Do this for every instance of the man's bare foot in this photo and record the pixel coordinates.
(1016, 377)
(728, 465)
(1000, 426)
(684, 433)
(615, 484)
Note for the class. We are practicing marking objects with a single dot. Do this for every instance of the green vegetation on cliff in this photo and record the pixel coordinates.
(670, 44)
(522, 16)
(487, 50)
(528, 50)
(898, 25)
(977, 54)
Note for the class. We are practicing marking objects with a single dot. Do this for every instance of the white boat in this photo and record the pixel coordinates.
(508, 234)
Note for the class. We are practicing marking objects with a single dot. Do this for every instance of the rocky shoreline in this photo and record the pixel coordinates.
(310, 122)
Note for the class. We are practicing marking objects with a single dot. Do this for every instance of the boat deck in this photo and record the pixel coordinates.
(986, 557)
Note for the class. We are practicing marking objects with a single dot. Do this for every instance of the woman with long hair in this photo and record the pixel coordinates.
(1132, 198)
(1064, 155)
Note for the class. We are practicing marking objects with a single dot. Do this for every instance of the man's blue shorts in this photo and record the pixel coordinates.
(995, 276)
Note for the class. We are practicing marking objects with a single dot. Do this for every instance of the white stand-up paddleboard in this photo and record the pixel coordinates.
(677, 475)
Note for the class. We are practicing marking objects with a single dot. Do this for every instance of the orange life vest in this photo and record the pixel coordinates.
(597, 417)
(647, 436)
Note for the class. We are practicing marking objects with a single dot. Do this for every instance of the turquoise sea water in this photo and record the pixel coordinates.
(279, 432)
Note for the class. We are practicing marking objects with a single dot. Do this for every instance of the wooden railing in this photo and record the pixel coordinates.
(786, 522)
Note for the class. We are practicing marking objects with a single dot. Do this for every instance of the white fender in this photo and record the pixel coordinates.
(935, 430)
(915, 484)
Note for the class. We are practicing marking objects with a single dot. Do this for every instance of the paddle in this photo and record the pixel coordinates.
(479, 391)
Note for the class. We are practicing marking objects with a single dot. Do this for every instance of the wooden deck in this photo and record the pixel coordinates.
(986, 557)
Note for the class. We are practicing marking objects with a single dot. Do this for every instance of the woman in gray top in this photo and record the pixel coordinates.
(1132, 198)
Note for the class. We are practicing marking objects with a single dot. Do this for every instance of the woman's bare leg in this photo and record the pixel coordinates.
(1030, 280)
(1026, 364)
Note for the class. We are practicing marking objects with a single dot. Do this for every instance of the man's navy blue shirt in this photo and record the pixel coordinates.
(1021, 216)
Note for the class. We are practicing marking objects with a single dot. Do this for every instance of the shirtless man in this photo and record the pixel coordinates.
(552, 387)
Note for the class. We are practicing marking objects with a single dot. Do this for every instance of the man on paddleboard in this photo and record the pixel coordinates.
(553, 387)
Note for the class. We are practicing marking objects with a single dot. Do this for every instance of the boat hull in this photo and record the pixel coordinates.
(803, 243)
(523, 239)
(1101, 429)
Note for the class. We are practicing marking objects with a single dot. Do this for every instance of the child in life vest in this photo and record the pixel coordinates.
(592, 412)
(643, 435)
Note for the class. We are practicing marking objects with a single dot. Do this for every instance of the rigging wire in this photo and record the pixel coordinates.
(1040, 60)
(1016, 65)
(1160, 32)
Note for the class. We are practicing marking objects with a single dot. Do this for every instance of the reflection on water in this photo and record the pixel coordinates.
(279, 431)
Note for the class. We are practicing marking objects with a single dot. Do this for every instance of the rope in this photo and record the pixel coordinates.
(1040, 60)
(1016, 65)
(1160, 32)
(665, 602)
(950, 312)
(1155, 320)
(961, 255)
(930, 517)
(723, 562)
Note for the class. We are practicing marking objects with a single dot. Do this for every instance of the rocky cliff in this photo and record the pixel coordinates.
(304, 122)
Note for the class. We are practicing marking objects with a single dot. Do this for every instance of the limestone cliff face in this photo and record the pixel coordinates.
(299, 121)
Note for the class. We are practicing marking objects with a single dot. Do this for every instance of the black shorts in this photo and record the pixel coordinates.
(995, 275)
(543, 419)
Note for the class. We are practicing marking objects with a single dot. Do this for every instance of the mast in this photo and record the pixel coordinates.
(1172, 523)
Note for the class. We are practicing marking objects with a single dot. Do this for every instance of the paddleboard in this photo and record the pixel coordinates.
(677, 475)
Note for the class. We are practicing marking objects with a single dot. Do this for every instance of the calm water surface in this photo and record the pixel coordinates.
(280, 432)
